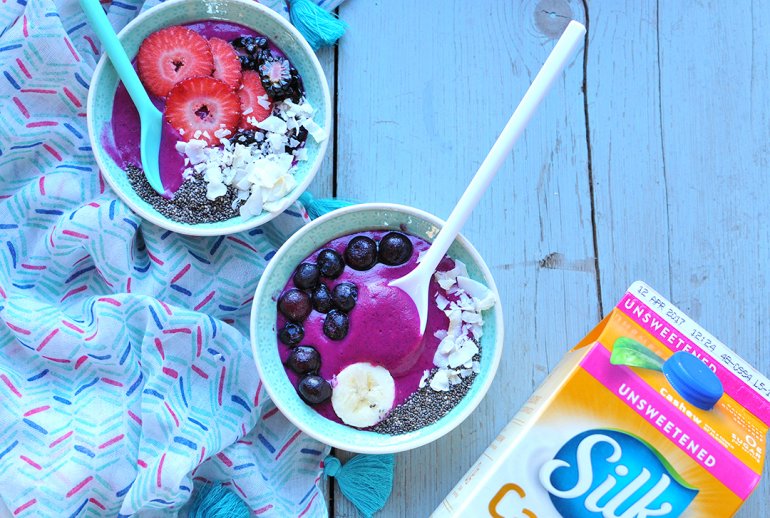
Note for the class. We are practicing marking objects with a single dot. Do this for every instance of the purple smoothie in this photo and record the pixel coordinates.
(384, 326)
(122, 141)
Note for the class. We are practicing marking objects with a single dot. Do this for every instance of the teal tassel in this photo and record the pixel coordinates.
(316, 207)
(365, 480)
(216, 501)
(319, 27)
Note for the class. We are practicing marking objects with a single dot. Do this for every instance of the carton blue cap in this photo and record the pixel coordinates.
(693, 380)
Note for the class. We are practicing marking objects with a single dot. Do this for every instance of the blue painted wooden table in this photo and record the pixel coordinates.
(648, 160)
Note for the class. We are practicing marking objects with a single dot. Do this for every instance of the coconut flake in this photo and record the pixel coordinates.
(444, 281)
(440, 381)
(440, 360)
(471, 317)
(301, 154)
(424, 378)
(277, 141)
(273, 124)
(441, 301)
(263, 101)
(464, 352)
(215, 190)
(455, 321)
(222, 133)
(447, 345)
(454, 377)
(316, 131)
(262, 173)
(253, 205)
(458, 343)
(483, 297)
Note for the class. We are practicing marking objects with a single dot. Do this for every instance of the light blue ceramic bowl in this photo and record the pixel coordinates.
(369, 216)
(175, 12)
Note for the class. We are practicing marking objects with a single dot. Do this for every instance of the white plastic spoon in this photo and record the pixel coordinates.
(416, 283)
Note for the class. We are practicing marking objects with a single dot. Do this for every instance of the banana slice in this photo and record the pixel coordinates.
(364, 394)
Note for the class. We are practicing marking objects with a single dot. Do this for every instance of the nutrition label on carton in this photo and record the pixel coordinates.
(680, 333)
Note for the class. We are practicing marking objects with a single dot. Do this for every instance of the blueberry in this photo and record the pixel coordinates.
(322, 298)
(345, 295)
(242, 42)
(306, 277)
(291, 334)
(295, 305)
(250, 44)
(395, 249)
(299, 138)
(330, 263)
(248, 137)
(314, 389)
(361, 253)
(248, 62)
(261, 42)
(304, 359)
(260, 57)
(336, 325)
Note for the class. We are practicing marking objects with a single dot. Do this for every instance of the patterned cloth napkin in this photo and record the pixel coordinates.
(126, 374)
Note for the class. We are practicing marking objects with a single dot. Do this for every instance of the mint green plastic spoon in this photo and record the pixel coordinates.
(151, 120)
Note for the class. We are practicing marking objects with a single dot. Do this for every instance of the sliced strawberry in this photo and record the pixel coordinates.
(171, 55)
(227, 64)
(255, 104)
(203, 104)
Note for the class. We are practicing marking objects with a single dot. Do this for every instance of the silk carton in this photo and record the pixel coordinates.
(612, 441)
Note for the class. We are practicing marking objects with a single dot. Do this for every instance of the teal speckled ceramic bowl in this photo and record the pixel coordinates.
(175, 12)
(369, 216)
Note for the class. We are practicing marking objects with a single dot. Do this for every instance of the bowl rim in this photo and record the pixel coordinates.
(203, 229)
(419, 440)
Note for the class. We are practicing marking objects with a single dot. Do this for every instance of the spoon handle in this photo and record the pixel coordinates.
(551, 70)
(101, 25)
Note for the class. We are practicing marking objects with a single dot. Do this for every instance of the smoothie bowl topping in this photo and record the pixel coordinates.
(236, 121)
(229, 70)
(350, 343)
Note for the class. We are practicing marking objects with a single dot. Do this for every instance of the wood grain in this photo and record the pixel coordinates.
(323, 184)
(678, 115)
(422, 96)
(716, 148)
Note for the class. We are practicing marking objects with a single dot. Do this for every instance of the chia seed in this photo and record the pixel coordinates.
(189, 203)
(424, 407)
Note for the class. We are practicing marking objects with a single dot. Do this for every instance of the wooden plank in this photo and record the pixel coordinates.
(626, 157)
(685, 207)
(423, 93)
(323, 184)
(716, 130)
